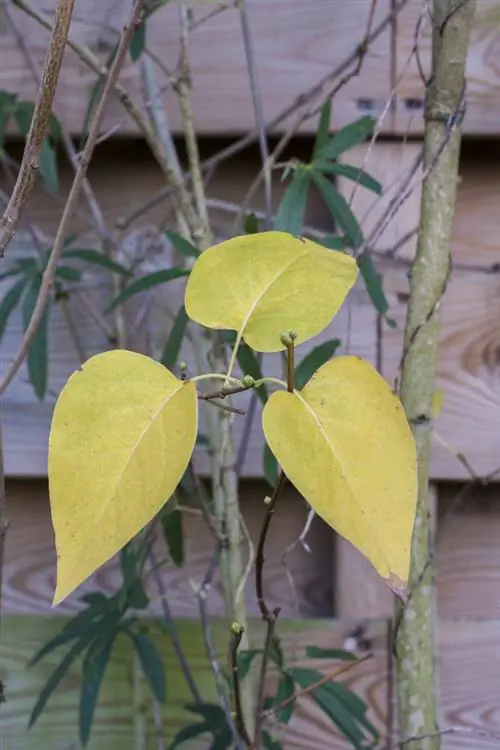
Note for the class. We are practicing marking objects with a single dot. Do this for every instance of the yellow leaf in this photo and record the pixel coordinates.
(122, 434)
(345, 443)
(262, 285)
(437, 402)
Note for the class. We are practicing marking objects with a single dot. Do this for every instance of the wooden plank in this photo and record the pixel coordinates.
(22, 636)
(483, 78)
(295, 45)
(29, 578)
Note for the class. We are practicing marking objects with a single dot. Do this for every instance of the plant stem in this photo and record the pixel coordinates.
(39, 124)
(415, 657)
(236, 636)
(58, 246)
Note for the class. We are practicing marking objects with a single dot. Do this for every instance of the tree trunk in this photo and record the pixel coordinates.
(415, 656)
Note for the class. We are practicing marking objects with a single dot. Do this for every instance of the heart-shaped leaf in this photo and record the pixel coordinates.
(345, 443)
(122, 434)
(262, 285)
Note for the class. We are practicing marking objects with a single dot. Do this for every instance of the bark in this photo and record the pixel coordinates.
(415, 648)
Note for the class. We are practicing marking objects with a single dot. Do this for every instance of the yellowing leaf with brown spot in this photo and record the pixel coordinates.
(122, 434)
(262, 285)
(345, 443)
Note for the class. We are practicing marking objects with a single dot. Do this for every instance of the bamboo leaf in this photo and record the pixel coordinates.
(94, 666)
(94, 257)
(190, 732)
(349, 425)
(313, 361)
(339, 209)
(315, 652)
(292, 209)
(7, 106)
(286, 687)
(173, 533)
(352, 135)
(113, 453)
(334, 243)
(262, 285)
(245, 661)
(48, 166)
(352, 173)
(176, 337)
(9, 302)
(148, 282)
(182, 246)
(269, 742)
(270, 466)
(151, 664)
(95, 95)
(373, 284)
(323, 128)
(68, 274)
(37, 359)
(138, 42)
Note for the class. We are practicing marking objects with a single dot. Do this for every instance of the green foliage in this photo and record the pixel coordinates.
(213, 722)
(144, 283)
(173, 533)
(173, 344)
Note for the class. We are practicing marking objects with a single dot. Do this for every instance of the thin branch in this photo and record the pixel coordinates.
(469, 731)
(58, 246)
(236, 636)
(39, 124)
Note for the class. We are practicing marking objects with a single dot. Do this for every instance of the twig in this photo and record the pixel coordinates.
(224, 392)
(470, 731)
(39, 124)
(236, 636)
(58, 245)
(315, 685)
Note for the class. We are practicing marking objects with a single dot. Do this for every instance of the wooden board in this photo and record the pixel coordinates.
(295, 45)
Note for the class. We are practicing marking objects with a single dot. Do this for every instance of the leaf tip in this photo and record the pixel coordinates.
(398, 587)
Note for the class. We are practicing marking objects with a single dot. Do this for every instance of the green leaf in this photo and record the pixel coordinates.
(292, 209)
(182, 246)
(313, 361)
(269, 742)
(57, 675)
(276, 653)
(37, 359)
(333, 243)
(339, 209)
(96, 258)
(323, 128)
(95, 95)
(94, 666)
(315, 652)
(353, 134)
(373, 283)
(151, 664)
(7, 106)
(138, 42)
(174, 342)
(48, 166)
(94, 598)
(68, 274)
(9, 303)
(189, 733)
(286, 688)
(23, 114)
(270, 466)
(88, 622)
(352, 173)
(249, 365)
(147, 282)
(354, 705)
(245, 661)
(251, 224)
(131, 568)
(173, 533)
(10, 274)
(215, 717)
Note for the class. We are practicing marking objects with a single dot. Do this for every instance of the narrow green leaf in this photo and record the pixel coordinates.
(147, 282)
(251, 224)
(57, 675)
(333, 242)
(269, 466)
(352, 173)
(23, 114)
(173, 533)
(10, 274)
(48, 166)
(7, 106)
(133, 587)
(354, 705)
(37, 359)
(313, 361)
(323, 128)
(9, 303)
(286, 688)
(276, 653)
(352, 135)
(249, 365)
(174, 342)
(245, 661)
(68, 274)
(269, 742)
(94, 598)
(216, 719)
(138, 42)
(292, 209)
(96, 258)
(94, 666)
(315, 652)
(189, 733)
(151, 664)
(339, 209)
(182, 246)
(373, 284)
(95, 95)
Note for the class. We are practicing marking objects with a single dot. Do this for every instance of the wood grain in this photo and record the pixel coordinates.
(295, 45)
(483, 73)
(114, 717)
